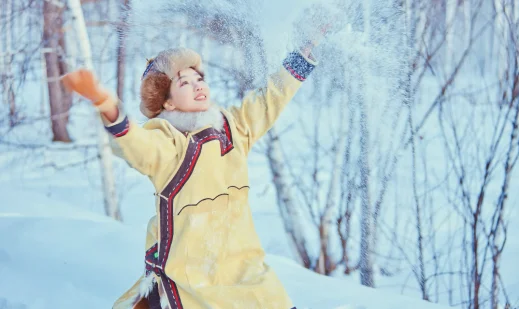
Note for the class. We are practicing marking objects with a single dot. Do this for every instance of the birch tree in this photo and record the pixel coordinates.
(480, 142)
(7, 56)
(451, 8)
(366, 247)
(330, 217)
(288, 206)
(467, 21)
(510, 96)
(121, 29)
(362, 99)
(111, 203)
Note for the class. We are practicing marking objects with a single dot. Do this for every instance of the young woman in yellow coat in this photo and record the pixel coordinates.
(202, 250)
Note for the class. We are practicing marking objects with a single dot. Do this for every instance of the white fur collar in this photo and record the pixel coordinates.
(192, 121)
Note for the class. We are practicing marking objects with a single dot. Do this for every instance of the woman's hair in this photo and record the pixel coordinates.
(156, 79)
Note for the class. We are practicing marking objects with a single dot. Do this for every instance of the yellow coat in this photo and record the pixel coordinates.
(202, 248)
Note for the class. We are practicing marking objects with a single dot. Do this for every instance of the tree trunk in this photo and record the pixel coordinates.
(121, 49)
(53, 43)
(498, 230)
(405, 85)
(66, 96)
(450, 20)
(348, 181)
(362, 98)
(515, 7)
(467, 22)
(421, 278)
(366, 262)
(476, 279)
(7, 78)
(500, 36)
(329, 218)
(10, 94)
(288, 206)
(494, 291)
(111, 203)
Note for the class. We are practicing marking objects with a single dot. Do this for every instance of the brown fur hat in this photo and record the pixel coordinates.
(156, 80)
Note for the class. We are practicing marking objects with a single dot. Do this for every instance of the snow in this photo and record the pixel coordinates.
(53, 255)
(58, 251)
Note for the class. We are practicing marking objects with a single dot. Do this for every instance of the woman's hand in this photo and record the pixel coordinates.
(84, 83)
(315, 24)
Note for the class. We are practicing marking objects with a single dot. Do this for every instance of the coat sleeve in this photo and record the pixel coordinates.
(143, 149)
(261, 108)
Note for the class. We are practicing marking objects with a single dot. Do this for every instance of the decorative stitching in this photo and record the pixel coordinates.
(177, 187)
(228, 134)
(205, 199)
(124, 132)
(207, 136)
(150, 258)
(153, 265)
(237, 187)
(175, 295)
(208, 198)
(155, 246)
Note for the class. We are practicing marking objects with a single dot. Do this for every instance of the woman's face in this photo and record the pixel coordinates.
(188, 92)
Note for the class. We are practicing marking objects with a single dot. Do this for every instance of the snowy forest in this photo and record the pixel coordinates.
(393, 168)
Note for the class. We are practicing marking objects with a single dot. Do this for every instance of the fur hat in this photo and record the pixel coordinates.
(156, 79)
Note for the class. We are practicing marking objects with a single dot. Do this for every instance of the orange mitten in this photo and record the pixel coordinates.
(85, 84)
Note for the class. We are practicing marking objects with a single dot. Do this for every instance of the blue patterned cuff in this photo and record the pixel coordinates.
(119, 129)
(298, 66)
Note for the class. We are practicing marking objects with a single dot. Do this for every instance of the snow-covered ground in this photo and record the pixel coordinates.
(57, 250)
(54, 255)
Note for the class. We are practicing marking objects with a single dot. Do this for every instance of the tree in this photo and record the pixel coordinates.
(54, 46)
(111, 203)
(121, 29)
(7, 57)
(288, 206)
